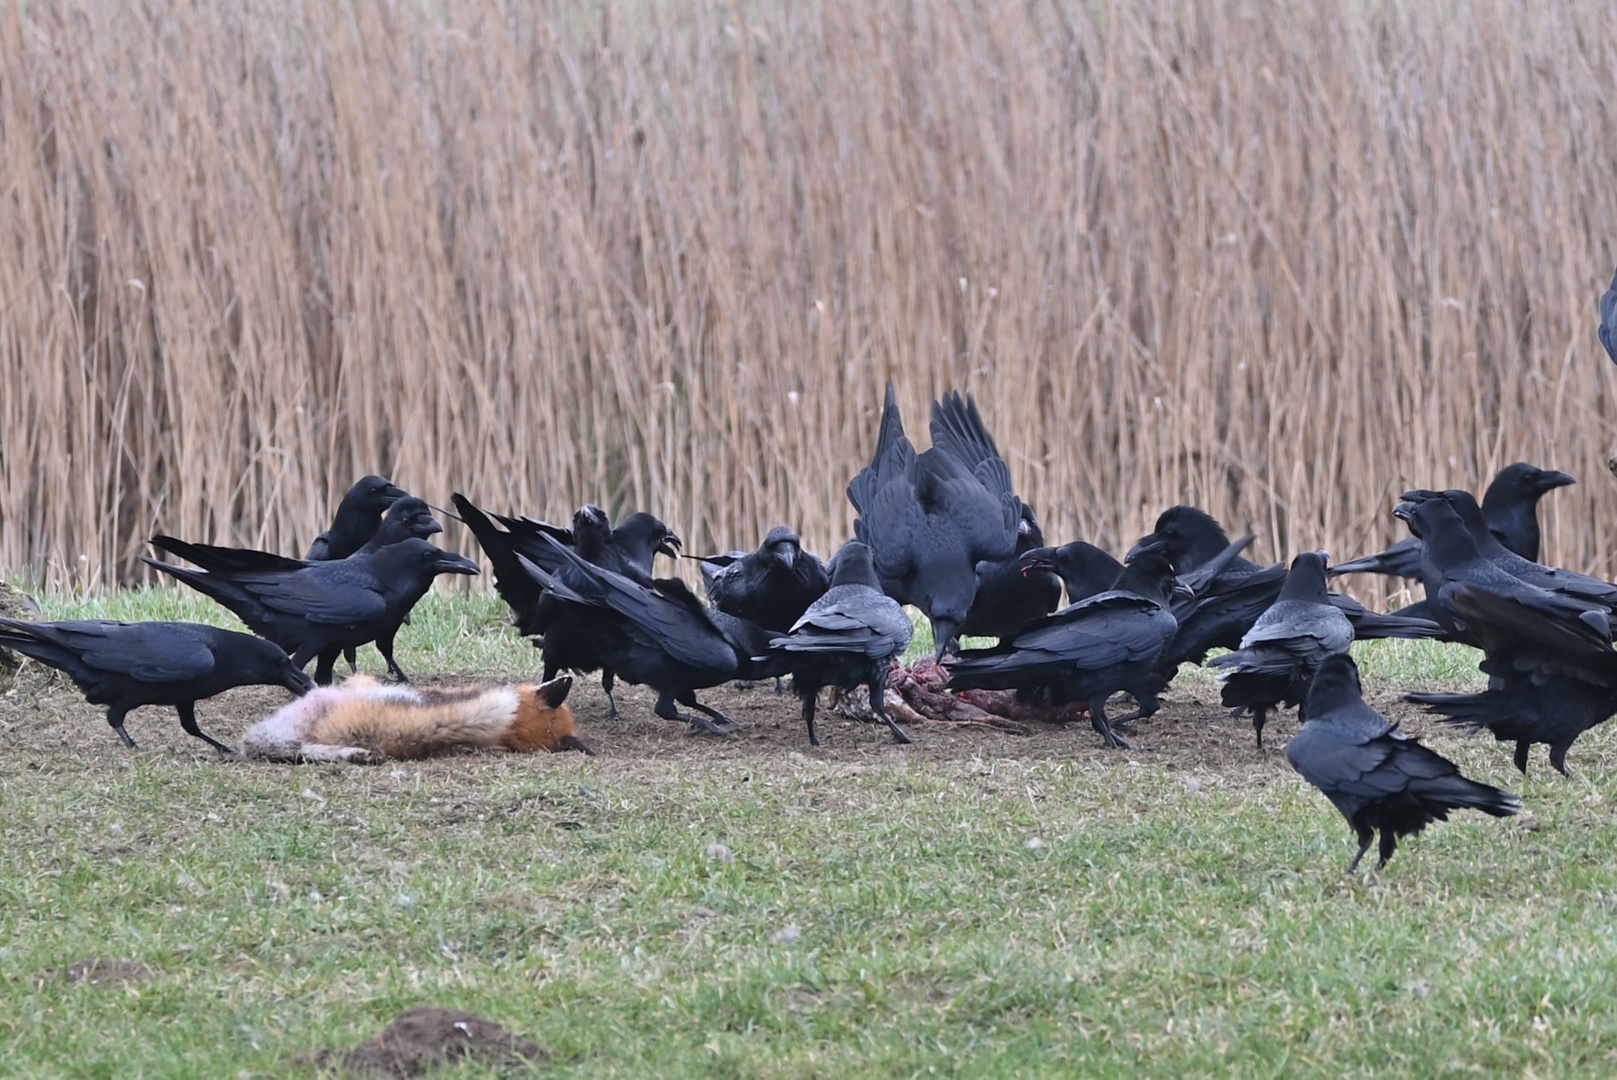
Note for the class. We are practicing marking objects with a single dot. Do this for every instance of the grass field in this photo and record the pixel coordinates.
(974, 905)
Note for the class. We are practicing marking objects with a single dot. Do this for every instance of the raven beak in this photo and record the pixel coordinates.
(1551, 479)
(1036, 561)
(296, 681)
(671, 544)
(787, 554)
(1419, 495)
(450, 563)
(429, 527)
(1405, 512)
(1152, 542)
(1182, 592)
(1023, 528)
(394, 494)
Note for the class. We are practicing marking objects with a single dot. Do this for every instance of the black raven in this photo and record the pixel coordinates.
(1452, 558)
(571, 637)
(1010, 592)
(1083, 568)
(849, 636)
(1510, 507)
(1567, 583)
(1226, 607)
(1548, 656)
(126, 665)
(1279, 655)
(1378, 777)
(1088, 650)
(662, 636)
(357, 519)
(929, 519)
(771, 587)
(407, 517)
(316, 609)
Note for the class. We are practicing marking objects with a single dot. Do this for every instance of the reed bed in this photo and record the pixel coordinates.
(1277, 259)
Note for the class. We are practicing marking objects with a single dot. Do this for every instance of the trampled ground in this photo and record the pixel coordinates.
(976, 904)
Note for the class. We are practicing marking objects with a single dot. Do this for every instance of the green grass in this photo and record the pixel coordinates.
(989, 915)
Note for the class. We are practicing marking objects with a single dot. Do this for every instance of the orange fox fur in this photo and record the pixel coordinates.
(363, 722)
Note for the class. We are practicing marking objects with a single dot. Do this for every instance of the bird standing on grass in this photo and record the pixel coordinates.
(1089, 650)
(931, 518)
(316, 609)
(126, 665)
(1280, 654)
(849, 636)
(1378, 777)
(571, 636)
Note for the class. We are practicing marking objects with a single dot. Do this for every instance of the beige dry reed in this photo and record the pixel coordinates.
(1277, 259)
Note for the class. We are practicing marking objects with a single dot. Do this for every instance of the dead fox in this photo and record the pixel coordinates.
(364, 722)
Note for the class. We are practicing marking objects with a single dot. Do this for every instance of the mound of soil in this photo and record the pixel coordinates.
(427, 1037)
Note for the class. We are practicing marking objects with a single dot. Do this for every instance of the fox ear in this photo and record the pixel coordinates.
(554, 692)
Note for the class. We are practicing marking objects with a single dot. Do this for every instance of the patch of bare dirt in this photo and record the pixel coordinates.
(99, 971)
(426, 1038)
(46, 725)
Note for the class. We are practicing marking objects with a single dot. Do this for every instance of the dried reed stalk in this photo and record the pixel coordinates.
(1278, 259)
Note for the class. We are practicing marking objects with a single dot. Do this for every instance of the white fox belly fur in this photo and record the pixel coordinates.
(363, 722)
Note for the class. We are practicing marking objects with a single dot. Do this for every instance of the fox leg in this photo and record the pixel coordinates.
(351, 755)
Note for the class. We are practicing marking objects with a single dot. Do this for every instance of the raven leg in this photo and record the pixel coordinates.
(1389, 844)
(808, 717)
(1097, 720)
(115, 717)
(351, 655)
(188, 721)
(665, 709)
(1365, 836)
(1260, 716)
(877, 686)
(1558, 756)
(689, 698)
(322, 667)
(607, 678)
(1148, 706)
(1521, 756)
(384, 645)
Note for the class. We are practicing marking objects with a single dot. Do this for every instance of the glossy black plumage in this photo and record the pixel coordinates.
(849, 636)
(931, 518)
(571, 637)
(1375, 775)
(771, 586)
(1285, 647)
(316, 609)
(1083, 568)
(357, 519)
(1088, 650)
(1510, 507)
(126, 665)
(663, 636)
(1011, 594)
(1227, 606)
